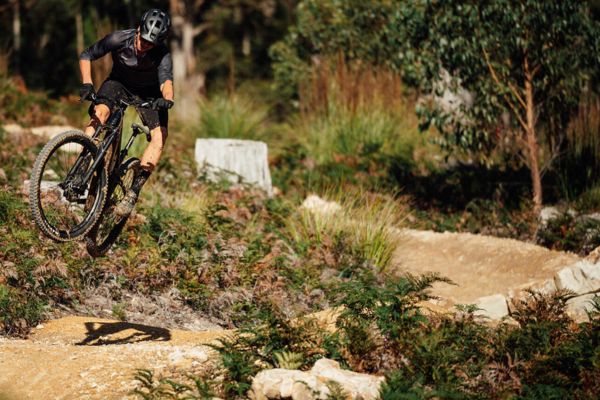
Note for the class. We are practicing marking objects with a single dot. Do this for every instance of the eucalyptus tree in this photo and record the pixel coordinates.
(529, 59)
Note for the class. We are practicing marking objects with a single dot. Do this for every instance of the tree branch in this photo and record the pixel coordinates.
(201, 28)
(506, 98)
(510, 85)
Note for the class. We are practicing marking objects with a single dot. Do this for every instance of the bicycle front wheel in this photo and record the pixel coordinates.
(58, 194)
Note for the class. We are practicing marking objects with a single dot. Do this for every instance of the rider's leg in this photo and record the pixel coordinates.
(99, 117)
(151, 156)
(149, 161)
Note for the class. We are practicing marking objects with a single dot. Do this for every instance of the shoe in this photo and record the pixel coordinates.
(125, 206)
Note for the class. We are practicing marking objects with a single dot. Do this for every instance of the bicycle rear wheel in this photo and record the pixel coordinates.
(108, 228)
(57, 193)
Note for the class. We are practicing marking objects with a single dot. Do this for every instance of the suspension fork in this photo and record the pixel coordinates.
(80, 159)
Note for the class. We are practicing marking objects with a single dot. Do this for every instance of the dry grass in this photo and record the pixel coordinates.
(367, 220)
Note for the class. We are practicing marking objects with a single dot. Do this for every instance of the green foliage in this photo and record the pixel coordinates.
(362, 221)
(374, 314)
(470, 42)
(288, 360)
(356, 29)
(570, 232)
(176, 233)
(231, 117)
(273, 340)
(18, 311)
(368, 133)
(118, 311)
(16, 104)
(151, 389)
(28, 284)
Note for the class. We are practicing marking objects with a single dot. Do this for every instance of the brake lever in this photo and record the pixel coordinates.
(140, 128)
(93, 98)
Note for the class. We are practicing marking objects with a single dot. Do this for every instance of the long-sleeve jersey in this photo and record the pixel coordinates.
(136, 71)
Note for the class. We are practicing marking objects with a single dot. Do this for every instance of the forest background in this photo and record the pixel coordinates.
(460, 116)
(385, 95)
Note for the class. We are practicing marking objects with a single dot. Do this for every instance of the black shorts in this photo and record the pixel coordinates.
(111, 90)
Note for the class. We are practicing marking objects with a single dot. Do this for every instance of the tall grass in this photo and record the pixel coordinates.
(584, 131)
(355, 110)
(232, 117)
(366, 220)
(580, 162)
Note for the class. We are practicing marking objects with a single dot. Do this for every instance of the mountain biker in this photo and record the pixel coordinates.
(142, 66)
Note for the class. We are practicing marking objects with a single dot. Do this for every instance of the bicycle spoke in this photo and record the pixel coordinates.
(60, 198)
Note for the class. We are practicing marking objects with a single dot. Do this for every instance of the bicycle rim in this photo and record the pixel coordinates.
(57, 193)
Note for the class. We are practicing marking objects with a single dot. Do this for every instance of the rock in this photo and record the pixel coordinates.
(270, 384)
(582, 278)
(572, 278)
(13, 129)
(238, 161)
(548, 213)
(317, 205)
(494, 307)
(594, 255)
(578, 307)
(50, 131)
(590, 271)
(314, 384)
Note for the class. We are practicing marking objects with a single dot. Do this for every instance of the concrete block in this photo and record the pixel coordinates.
(238, 161)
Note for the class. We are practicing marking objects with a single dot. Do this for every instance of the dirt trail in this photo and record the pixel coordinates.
(91, 358)
(479, 265)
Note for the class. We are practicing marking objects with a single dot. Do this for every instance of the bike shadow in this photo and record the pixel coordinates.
(107, 333)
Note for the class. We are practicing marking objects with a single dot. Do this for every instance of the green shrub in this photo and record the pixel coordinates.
(152, 389)
(364, 133)
(18, 311)
(570, 232)
(231, 117)
(365, 222)
(176, 232)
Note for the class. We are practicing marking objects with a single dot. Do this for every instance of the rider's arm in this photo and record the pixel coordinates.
(165, 76)
(167, 90)
(107, 44)
(85, 66)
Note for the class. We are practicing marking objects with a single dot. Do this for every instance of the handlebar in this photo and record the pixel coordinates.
(148, 103)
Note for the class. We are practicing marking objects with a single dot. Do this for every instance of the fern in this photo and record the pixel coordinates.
(336, 391)
(288, 360)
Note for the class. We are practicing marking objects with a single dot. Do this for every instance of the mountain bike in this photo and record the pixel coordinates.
(78, 180)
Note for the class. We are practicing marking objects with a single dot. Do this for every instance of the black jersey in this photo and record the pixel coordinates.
(136, 71)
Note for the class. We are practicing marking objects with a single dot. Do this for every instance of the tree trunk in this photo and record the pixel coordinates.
(188, 48)
(182, 46)
(231, 78)
(177, 53)
(79, 29)
(532, 144)
(16, 28)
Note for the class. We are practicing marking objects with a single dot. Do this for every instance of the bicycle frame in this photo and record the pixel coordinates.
(114, 128)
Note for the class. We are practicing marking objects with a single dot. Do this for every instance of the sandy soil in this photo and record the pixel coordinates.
(479, 265)
(91, 358)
